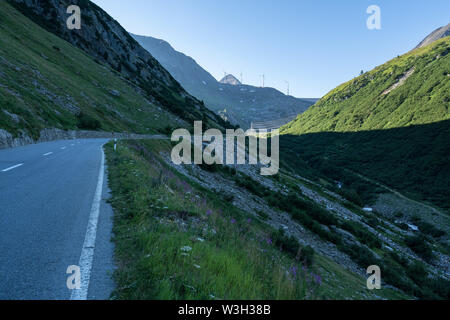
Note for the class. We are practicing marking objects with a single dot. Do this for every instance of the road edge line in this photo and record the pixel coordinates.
(87, 253)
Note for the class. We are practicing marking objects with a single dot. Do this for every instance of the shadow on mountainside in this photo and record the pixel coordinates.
(414, 160)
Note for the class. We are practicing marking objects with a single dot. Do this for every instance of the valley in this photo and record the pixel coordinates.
(362, 178)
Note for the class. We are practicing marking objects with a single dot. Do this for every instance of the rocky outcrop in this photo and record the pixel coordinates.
(230, 79)
(8, 141)
(400, 81)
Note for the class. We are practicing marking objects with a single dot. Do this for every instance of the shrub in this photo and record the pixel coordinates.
(264, 216)
(228, 197)
(417, 272)
(291, 246)
(286, 243)
(88, 122)
(166, 130)
(441, 287)
(352, 196)
(210, 167)
(394, 275)
(361, 255)
(402, 226)
(251, 185)
(307, 256)
(361, 232)
(230, 170)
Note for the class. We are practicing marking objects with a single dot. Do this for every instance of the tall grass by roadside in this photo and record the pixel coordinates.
(175, 240)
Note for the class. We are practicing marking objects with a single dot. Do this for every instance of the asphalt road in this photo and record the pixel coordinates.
(48, 195)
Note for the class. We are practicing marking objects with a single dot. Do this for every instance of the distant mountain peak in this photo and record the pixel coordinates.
(437, 34)
(230, 79)
(238, 103)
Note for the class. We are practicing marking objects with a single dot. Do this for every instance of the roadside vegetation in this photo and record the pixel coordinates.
(176, 240)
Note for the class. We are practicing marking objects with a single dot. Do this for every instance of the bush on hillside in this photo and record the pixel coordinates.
(88, 122)
(419, 245)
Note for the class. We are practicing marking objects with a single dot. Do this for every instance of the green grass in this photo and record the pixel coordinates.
(119, 52)
(228, 264)
(360, 104)
(308, 213)
(158, 212)
(46, 62)
(399, 139)
(313, 217)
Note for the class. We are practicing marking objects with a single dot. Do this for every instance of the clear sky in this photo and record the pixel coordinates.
(315, 45)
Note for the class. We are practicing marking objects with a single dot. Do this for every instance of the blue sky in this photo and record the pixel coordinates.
(314, 45)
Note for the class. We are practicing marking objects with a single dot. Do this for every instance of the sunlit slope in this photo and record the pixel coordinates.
(409, 90)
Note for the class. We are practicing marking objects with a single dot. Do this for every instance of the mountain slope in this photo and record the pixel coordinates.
(230, 79)
(437, 34)
(45, 82)
(241, 104)
(102, 38)
(391, 124)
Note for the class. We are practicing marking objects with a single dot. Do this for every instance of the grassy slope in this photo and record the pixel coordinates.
(237, 100)
(400, 139)
(361, 105)
(32, 59)
(159, 211)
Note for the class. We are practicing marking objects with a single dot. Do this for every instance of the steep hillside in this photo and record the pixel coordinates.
(181, 67)
(107, 42)
(229, 233)
(47, 83)
(241, 104)
(230, 79)
(390, 124)
(215, 232)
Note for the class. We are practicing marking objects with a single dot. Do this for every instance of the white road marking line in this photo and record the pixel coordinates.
(13, 167)
(87, 253)
(47, 154)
